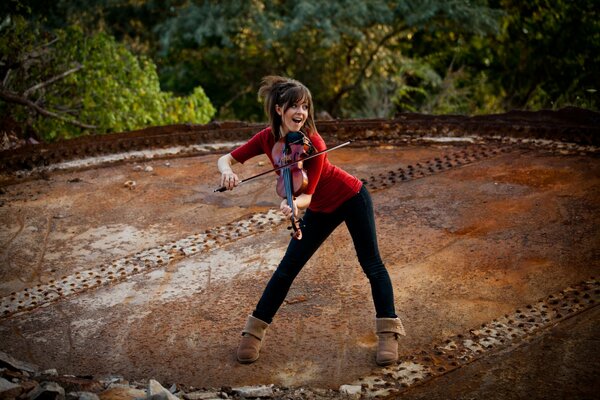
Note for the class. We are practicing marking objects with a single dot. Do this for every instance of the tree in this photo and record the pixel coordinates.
(546, 55)
(85, 84)
(549, 53)
(361, 58)
(341, 50)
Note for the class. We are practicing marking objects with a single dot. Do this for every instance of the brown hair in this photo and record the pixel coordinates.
(285, 92)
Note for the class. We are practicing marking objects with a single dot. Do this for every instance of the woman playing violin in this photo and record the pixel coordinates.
(331, 196)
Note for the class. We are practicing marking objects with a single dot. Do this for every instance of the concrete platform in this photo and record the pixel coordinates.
(156, 279)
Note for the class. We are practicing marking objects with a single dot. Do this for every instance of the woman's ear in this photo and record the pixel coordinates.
(278, 110)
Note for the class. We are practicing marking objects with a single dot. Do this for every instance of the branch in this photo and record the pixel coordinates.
(362, 73)
(35, 53)
(51, 80)
(16, 98)
(50, 43)
(6, 77)
(239, 94)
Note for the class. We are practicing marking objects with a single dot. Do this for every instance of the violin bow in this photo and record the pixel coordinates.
(223, 188)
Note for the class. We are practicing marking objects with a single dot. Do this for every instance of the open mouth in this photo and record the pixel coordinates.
(297, 120)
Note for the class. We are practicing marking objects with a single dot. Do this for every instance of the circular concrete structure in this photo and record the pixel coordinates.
(128, 263)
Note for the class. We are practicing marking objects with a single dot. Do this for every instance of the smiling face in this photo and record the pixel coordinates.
(293, 117)
(289, 105)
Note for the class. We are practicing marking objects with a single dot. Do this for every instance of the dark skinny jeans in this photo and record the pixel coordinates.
(357, 212)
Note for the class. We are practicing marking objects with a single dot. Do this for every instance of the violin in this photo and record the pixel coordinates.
(288, 152)
(296, 148)
(223, 188)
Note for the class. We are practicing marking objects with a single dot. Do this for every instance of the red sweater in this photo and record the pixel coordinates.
(329, 185)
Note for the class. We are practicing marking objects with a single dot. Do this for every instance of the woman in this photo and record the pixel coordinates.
(332, 196)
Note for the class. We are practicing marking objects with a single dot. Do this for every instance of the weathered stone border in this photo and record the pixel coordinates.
(571, 125)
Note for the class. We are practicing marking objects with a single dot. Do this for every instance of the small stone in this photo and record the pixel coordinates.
(299, 299)
(82, 396)
(254, 391)
(202, 395)
(137, 168)
(29, 386)
(113, 379)
(351, 390)
(5, 359)
(9, 390)
(122, 393)
(129, 185)
(47, 390)
(155, 388)
(322, 392)
(148, 169)
(50, 372)
(78, 385)
(11, 374)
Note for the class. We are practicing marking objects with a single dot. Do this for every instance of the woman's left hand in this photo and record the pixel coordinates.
(286, 209)
(300, 203)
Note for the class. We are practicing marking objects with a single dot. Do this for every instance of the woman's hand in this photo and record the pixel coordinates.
(287, 210)
(229, 180)
(300, 203)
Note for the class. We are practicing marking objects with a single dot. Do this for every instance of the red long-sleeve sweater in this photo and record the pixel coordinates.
(329, 185)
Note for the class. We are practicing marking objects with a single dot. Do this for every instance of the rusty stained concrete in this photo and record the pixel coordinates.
(463, 246)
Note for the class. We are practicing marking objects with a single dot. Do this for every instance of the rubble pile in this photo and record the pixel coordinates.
(25, 381)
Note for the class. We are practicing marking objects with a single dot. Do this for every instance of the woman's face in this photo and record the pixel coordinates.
(294, 117)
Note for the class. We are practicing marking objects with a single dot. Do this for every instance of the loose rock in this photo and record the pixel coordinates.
(82, 396)
(156, 389)
(351, 390)
(8, 361)
(47, 390)
(254, 391)
(130, 185)
(122, 393)
(202, 396)
(9, 390)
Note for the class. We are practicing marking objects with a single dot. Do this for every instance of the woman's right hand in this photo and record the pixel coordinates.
(229, 180)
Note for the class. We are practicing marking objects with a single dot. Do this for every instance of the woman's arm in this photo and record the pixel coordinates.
(228, 178)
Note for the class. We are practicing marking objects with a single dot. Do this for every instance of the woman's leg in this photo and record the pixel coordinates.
(316, 228)
(360, 220)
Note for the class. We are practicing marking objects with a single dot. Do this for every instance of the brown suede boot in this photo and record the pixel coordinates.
(252, 335)
(388, 330)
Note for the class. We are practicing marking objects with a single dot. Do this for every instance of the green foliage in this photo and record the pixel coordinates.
(343, 50)
(361, 58)
(114, 90)
(547, 55)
